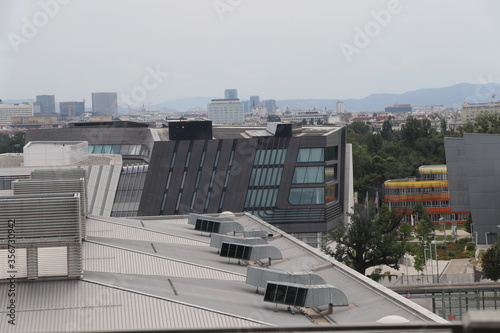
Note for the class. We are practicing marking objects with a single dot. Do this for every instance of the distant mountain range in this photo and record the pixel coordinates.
(452, 96)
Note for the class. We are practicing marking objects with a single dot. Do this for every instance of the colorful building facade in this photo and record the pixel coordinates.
(430, 188)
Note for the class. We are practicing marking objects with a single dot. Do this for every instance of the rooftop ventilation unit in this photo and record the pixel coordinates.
(216, 240)
(249, 252)
(35, 186)
(260, 276)
(294, 294)
(47, 231)
(190, 130)
(217, 225)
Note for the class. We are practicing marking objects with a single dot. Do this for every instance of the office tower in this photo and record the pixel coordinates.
(226, 111)
(254, 102)
(471, 110)
(71, 109)
(340, 107)
(270, 105)
(104, 103)
(47, 104)
(7, 111)
(291, 178)
(231, 94)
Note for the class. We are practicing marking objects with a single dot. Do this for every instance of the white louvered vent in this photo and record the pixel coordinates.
(19, 264)
(53, 261)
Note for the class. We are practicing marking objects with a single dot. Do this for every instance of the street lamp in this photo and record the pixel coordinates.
(433, 235)
(441, 222)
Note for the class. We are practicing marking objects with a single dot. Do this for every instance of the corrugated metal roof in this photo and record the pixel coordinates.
(68, 306)
(104, 258)
(100, 228)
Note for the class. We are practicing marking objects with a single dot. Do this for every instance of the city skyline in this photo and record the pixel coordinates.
(278, 50)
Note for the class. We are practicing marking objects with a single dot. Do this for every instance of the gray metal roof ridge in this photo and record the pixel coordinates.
(93, 217)
(175, 301)
(162, 257)
(346, 270)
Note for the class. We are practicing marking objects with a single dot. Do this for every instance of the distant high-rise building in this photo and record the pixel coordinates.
(47, 104)
(71, 109)
(270, 105)
(254, 102)
(231, 94)
(246, 106)
(399, 108)
(104, 103)
(471, 110)
(226, 111)
(7, 111)
(340, 107)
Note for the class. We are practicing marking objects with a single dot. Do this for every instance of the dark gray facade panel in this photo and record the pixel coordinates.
(474, 181)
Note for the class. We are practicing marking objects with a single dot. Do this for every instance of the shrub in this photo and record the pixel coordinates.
(452, 253)
(470, 246)
(464, 240)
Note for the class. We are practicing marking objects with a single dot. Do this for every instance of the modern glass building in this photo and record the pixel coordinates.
(289, 176)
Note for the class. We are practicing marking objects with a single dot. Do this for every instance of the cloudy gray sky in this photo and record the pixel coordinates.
(279, 49)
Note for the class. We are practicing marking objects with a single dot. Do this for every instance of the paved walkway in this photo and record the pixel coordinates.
(457, 266)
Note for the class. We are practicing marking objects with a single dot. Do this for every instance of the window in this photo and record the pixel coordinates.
(330, 193)
(330, 173)
(187, 160)
(261, 198)
(303, 175)
(307, 196)
(311, 155)
(331, 153)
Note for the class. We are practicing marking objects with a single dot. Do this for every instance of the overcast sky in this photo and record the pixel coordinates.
(151, 51)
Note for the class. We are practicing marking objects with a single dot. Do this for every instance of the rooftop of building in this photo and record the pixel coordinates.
(437, 168)
(159, 273)
(16, 160)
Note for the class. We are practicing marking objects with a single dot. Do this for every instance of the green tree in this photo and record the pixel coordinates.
(414, 129)
(491, 263)
(421, 215)
(387, 133)
(487, 123)
(467, 128)
(444, 126)
(14, 144)
(370, 239)
(359, 127)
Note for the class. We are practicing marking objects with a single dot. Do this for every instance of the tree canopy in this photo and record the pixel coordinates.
(372, 238)
(12, 144)
(491, 263)
(392, 154)
(488, 123)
